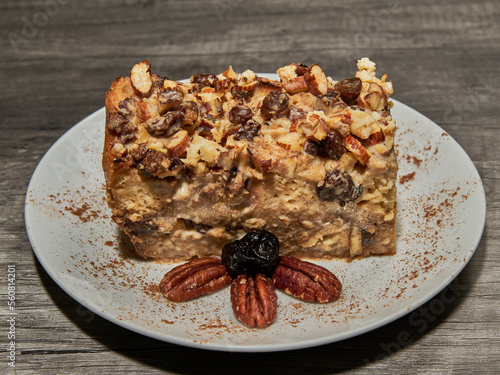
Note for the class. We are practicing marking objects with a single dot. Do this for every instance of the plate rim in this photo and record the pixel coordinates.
(273, 347)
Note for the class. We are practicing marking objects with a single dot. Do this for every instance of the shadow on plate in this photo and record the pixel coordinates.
(352, 353)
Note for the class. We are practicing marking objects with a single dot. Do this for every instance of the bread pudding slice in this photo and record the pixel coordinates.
(191, 166)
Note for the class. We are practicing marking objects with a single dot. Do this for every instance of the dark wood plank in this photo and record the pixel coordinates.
(58, 60)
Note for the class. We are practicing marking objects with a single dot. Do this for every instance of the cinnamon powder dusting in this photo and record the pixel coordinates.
(407, 177)
(83, 212)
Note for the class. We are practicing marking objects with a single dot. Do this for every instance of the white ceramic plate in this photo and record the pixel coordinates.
(440, 222)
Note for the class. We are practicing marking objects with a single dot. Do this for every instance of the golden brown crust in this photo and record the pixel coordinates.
(190, 167)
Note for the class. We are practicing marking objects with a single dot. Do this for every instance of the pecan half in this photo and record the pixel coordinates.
(195, 278)
(306, 281)
(254, 300)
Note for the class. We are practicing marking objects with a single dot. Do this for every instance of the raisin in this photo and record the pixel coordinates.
(120, 125)
(296, 114)
(127, 108)
(240, 114)
(240, 94)
(154, 163)
(204, 80)
(190, 224)
(232, 174)
(139, 152)
(334, 145)
(339, 186)
(330, 98)
(124, 129)
(366, 237)
(170, 99)
(312, 147)
(274, 104)
(165, 125)
(300, 69)
(125, 137)
(175, 164)
(141, 228)
(247, 131)
(349, 89)
(257, 252)
(190, 112)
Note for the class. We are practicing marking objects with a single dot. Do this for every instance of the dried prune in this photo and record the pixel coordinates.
(339, 186)
(349, 89)
(257, 252)
(334, 145)
(274, 104)
(240, 114)
(249, 130)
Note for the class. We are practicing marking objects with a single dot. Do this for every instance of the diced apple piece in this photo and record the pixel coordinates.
(230, 73)
(292, 141)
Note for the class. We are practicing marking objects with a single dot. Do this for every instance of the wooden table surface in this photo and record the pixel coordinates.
(57, 60)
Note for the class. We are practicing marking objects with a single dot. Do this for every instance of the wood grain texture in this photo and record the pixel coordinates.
(442, 57)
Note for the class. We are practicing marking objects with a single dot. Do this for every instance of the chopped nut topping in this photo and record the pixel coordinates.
(207, 122)
(315, 79)
(140, 76)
